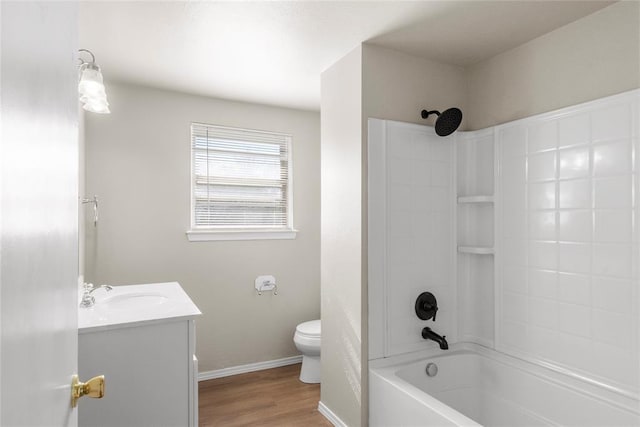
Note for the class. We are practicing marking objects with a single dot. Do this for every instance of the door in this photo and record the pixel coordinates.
(38, 212)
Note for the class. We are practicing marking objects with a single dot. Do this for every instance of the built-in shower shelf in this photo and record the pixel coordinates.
(476, 250)
(475, 199)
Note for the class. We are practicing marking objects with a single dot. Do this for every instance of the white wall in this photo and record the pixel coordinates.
(342, 246)
(398, 86)
(138, 163)
(593, 57)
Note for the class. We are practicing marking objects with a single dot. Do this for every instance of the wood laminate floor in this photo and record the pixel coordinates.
(273, 397)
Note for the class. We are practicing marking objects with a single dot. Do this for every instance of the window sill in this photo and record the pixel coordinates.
(213, 235)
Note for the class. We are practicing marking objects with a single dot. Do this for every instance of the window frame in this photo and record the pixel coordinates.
(203, 233)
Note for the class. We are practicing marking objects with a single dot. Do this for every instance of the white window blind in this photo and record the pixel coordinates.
(240, 179)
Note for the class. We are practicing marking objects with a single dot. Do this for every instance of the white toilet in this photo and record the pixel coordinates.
(307, 341)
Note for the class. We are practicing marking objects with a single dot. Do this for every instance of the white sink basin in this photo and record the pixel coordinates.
(133, 301)
(133, 304)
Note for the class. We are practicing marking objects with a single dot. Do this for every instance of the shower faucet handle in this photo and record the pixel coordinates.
(429, 308)
(426, 306)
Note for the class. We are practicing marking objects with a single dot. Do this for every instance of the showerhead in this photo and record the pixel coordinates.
(447, 121)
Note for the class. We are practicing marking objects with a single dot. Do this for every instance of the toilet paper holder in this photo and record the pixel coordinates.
(266, 284)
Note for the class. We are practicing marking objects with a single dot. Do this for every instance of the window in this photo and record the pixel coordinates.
(240, 184)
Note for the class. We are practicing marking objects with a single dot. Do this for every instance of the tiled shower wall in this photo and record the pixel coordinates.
(567, 235)
(411, 235)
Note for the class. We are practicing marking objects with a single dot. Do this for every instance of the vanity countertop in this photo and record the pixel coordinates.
(133, 305)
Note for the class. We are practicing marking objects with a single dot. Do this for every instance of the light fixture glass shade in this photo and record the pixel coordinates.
(95, 104)
(88, 98)
(91, 88)
(97, 107)
(91, 81)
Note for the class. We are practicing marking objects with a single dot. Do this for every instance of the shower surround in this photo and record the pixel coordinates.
(546, 227)
(567, 277)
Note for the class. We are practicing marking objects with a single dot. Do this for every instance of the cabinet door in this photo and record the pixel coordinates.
(147, 375)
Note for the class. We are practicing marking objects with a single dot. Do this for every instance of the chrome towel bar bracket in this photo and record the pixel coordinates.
(94, 202)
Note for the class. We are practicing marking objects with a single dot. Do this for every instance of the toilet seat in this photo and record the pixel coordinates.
(310, 329)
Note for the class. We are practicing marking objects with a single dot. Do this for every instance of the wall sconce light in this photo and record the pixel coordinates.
(91, 88)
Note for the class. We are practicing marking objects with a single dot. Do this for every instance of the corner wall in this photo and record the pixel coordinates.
(596, 56)
(369, 82)
(138, 162)
(398, 86)
(341, 239)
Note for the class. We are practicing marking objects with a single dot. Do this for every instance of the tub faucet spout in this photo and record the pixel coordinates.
(428, 334)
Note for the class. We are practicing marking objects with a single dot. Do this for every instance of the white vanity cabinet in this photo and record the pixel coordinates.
(144, 345)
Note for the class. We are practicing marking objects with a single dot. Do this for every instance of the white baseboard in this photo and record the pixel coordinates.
(329, 415)
(251, 367)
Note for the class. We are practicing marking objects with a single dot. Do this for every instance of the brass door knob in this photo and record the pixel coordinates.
(93, 388)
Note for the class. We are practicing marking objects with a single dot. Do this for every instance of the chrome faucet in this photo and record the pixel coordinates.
(428, 334)
(88, 299)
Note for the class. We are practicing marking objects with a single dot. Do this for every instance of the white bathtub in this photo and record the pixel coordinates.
(477, 386)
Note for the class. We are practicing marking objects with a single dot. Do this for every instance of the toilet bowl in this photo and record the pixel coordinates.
(307, 341)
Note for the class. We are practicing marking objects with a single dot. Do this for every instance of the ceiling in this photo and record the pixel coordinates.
(272, 52)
